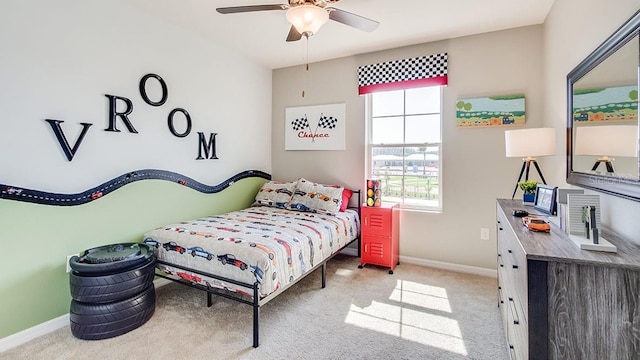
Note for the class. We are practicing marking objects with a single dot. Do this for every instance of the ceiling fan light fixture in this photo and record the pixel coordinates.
(307, 19)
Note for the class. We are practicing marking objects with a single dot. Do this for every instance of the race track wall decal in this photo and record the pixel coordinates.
(319, 127)
(48, 198)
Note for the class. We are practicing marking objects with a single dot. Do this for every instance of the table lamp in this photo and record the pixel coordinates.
(527, 144)
(606, 141)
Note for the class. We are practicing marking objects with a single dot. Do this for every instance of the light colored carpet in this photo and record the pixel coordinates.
(416, 313)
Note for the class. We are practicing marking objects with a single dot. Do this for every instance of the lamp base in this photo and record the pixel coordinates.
(526, 164)
(607, 163)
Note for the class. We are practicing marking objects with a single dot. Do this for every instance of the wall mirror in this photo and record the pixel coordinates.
(602, 116)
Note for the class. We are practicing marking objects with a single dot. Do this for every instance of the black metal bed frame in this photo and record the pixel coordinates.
(255, 301)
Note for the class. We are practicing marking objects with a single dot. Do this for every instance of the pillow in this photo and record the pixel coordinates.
(346, 196)
(317, 198)
(276, 194)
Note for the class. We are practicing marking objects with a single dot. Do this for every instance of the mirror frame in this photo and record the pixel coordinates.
(626, 188)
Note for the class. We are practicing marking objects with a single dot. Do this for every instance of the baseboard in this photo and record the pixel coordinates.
(450, 266)
(31, 333)
(466, 269)
(47, 327)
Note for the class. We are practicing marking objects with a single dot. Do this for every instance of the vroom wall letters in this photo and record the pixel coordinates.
(205, 146)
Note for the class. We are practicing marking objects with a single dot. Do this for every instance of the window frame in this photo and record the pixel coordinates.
(369, 146)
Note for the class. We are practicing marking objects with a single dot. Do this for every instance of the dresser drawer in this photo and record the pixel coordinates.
(512, 266)
(517, 329)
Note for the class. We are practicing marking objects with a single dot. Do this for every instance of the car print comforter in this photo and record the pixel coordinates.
(271, 246)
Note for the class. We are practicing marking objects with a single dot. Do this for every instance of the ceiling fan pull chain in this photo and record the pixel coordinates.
(306, 70)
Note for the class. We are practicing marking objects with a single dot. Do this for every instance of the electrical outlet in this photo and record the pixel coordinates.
(484, 234)
(69, 257)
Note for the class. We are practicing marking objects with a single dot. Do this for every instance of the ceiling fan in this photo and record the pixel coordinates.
(307, 16)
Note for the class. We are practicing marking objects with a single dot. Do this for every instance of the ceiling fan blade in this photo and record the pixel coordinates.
(294, 35)
(356, 21)
(249, 8)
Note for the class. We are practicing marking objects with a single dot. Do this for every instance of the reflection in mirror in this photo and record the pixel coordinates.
(605, 116)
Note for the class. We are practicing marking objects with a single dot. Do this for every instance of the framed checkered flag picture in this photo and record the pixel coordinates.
(319, 127)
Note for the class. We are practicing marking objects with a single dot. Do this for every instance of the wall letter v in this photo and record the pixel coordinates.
(64, 144)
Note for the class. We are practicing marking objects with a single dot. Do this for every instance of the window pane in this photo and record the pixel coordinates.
(422, 176)
(422, 161)
(387, 165)
(422, 129)
(423, 100)
(387, 103)
(387, 130)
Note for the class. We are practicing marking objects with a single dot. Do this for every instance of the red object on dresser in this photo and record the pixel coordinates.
(380, 236)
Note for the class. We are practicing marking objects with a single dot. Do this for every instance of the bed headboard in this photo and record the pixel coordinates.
(356, 197)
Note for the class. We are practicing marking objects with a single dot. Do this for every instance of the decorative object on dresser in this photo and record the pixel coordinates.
(575, 203)
(545, 199)
(583, 227)
(380, 236)
(528, 188)
(527, 144)
(561, 199)
(559, 302)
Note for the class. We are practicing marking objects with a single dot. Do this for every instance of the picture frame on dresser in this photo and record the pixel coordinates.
(545, 199)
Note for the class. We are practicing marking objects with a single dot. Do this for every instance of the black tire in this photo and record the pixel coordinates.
(107, 259)
(95, 322)
(112, 287)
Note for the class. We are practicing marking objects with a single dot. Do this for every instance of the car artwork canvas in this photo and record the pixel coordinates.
(319, 127)
(507, 110)
(613, 104)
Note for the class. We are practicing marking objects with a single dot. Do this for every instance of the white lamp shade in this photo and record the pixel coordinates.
(530, 142)
(607, 140)
(307, 18)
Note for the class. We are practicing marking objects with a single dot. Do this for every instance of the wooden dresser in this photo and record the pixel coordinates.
(560, 302)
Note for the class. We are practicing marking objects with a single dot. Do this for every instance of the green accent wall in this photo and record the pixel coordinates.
(36, 239)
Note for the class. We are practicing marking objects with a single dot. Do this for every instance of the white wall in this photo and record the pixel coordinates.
(573, 29)
(475, 169)
(58, 60)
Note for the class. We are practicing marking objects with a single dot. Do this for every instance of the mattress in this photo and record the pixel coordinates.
(271, 246)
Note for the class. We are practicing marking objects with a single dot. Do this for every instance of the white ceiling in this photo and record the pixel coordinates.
(260, 36)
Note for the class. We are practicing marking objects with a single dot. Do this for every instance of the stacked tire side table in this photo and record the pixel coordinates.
(112, 290)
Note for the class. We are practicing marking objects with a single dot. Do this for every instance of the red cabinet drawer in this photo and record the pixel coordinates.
(376, 250)
(377, 220)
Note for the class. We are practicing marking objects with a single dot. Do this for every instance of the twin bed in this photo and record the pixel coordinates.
(254, 254)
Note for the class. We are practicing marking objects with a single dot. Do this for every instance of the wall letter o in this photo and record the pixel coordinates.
(143, 91)
(170, 122)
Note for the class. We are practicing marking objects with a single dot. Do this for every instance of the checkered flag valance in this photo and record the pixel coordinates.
(403, 74)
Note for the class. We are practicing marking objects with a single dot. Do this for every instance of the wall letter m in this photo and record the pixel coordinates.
(209, 148)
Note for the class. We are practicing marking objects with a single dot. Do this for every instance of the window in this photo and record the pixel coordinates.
(405, 144)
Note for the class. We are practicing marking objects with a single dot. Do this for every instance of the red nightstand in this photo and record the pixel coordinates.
(380, 236)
